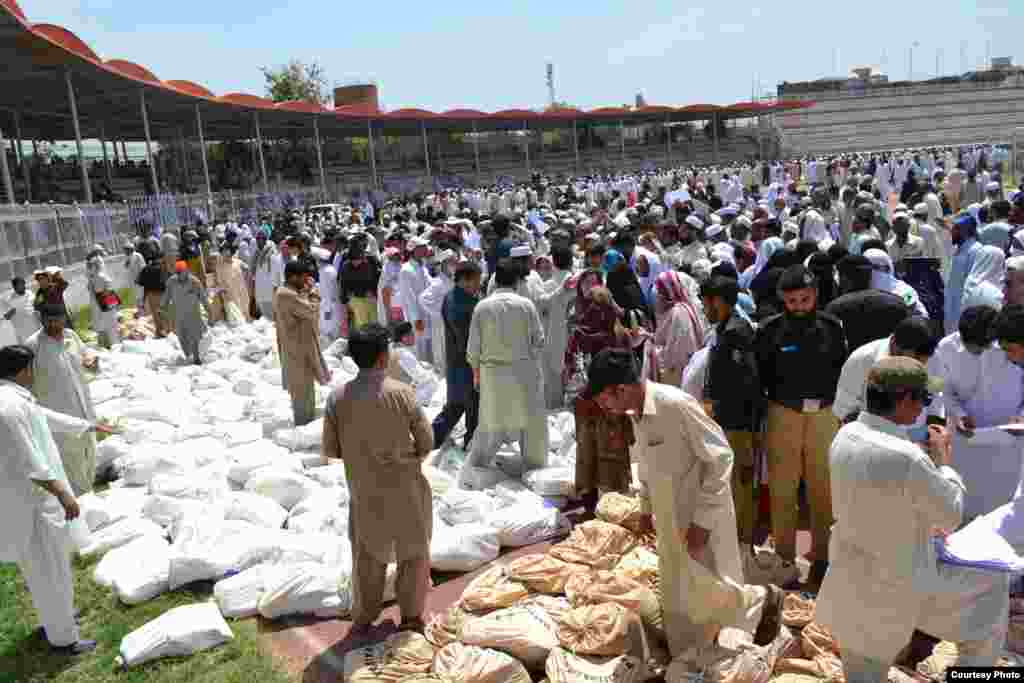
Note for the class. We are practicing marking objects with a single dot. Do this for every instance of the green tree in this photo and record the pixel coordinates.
(297, 80)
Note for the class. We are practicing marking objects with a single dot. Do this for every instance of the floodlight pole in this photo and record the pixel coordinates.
(372, 153)
(25, 172)
(6, 171)
(259, 148)
(184, 158)
(202, 150)
(106, 159)
(320, 156)
(576, 146)
(149, 143)
(87, 186)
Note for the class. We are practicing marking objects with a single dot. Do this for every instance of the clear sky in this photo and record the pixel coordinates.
(489, 56)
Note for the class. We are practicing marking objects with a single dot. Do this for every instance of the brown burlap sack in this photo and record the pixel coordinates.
(526, 633)
(640, 564)
(817, 640)
(446, 627)
(471, 664)
(596, 544)
(564, 667)
(797, 611)
(398, 657)
(543, 573)
(554, 606)
(596, 629)
(1015, 634)
(596, 587)
(492, 590)
(616, 508)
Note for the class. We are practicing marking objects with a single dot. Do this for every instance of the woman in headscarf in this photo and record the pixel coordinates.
(764, 252)
(602, 440)
(984, 284)
(882, 278)
(624, 286)
(680, 332)
(648, 267)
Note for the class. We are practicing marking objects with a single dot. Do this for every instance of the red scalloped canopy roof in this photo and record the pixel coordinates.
(190, 88)
(12, 6)
(132, 70)
(67, 41)
(60, 36)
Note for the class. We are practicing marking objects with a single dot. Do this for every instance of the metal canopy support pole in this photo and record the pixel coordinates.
(149, 143)
(426, 146)
(202, 154)
(714, 132)
(106, 159)
(259, 148)
(26, 173)
(576, 146)
(476, 152)
(184, 159)
(320, 157)
(86, 185)
(124, 150)
(117, 153)
(6, 171)
(668, 143)
(373, 154)
(526, 147)
(622, 141)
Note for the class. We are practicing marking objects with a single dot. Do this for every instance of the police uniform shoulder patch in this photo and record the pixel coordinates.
(908, 298)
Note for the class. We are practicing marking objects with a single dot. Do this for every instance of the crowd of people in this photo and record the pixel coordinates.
(831, 334)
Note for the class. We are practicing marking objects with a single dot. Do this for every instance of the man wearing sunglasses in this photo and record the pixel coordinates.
(891, 497)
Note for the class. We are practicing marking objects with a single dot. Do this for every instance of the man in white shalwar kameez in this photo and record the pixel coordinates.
(506, 340)
(685, 467)
(38, 505)
(884, 580)
(59, 384)
(413, 280)
(554, 311)
(431, 301)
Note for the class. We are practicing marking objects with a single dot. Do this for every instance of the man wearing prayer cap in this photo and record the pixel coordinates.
(993, 191)
(885, 579)
(903, 244)
(800, 354)
(59, 384)
(932, 245)
(413, 280)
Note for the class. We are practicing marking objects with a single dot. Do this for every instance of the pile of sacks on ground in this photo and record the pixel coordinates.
(211, 481)
(587, 609)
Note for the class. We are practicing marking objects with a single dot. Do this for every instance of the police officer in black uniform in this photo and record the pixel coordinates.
(732, 393)
(800, 355)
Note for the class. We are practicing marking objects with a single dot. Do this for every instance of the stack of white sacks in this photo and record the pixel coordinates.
(212, 482)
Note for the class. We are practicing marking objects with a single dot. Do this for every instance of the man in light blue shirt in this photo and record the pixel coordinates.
(964, 236)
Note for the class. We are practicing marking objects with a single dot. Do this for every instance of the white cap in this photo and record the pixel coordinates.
(992, 187)
(695, 221)
(921, 209)
(417, 242)
(714, 229)
(445, 255)
(521, 250)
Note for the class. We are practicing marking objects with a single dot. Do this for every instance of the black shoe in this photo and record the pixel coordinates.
(817, 574)
(771, 617)
(80, 648)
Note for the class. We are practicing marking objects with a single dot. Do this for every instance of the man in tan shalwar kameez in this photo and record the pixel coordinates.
(297, 317)
(374, 425)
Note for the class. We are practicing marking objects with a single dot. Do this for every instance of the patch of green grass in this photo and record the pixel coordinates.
(81, 319)
(25, 656)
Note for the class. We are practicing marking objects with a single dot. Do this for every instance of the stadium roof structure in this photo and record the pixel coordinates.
(44, 64)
